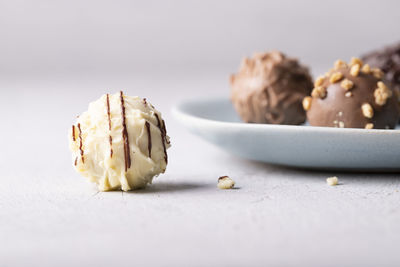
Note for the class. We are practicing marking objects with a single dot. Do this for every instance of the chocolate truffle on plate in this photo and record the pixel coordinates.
(352, 95)
(388, 60)
(119, 143)
(269, 88)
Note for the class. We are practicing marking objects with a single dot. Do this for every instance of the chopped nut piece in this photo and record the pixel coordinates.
(319, 92)
(381, 96)
(339, 64)
(341, 124)
(307, 103)
(382, 86)
(369, 126)
(319, 81)
(348, 94)
(377, 73)
(347, 84)
(355, 70)
(367, 110)
(335, 77)
(356, 61)
(332, 181)
(366, 69)
(225, 182)
(382, 93)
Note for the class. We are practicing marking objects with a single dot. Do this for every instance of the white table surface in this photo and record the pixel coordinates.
(50, 216)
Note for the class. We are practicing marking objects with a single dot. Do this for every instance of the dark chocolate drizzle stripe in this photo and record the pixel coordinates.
(76, 161)
(162, 137)
(148, 137)
(73, 133)
(145, 101)
(127, 153)
(81, 143)
(109, 124)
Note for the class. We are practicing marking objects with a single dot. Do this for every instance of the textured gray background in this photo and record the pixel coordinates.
(57, 56)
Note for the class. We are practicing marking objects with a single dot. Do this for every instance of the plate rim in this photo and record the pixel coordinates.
(178, 111)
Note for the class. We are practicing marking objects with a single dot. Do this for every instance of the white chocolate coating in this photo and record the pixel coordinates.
(102, 152)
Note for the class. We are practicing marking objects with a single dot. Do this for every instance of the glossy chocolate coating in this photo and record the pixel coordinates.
(339, 110)
(269, 88)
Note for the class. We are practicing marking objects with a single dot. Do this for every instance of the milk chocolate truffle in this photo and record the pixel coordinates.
(352, 95)
(388, 60)
(269, 88)
(119, 143)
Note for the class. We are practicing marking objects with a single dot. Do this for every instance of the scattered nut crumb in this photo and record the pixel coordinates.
(225, 182)
(307, 103)
(319, 92)
(335, 77)
(355, 70)
(369, 126)
(347, 84)
(332, 181)
(367, 110)
(341, 124)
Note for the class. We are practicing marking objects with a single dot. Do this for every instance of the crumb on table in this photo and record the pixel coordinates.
(225, 182)
(332, 180)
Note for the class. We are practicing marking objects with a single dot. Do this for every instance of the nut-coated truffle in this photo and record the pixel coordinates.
(269, 88)
(352, 95)
(388, 60)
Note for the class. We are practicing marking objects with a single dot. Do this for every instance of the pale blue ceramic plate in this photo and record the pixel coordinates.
(216, 121)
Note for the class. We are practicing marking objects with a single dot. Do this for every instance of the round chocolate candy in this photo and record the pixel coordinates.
(352, 95)
(269, 88)
(388, 60)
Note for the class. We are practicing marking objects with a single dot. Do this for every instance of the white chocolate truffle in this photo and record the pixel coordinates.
(119, 143)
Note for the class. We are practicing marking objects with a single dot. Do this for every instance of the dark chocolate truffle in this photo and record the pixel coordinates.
(388, 60)
(352, 96)
(269, 88)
